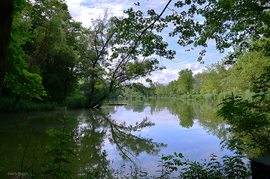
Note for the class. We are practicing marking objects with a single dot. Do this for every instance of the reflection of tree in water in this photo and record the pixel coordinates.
(213, 124)
(129, 144)
(89, 139)
(136, 106)
(96, 127)
(188, 110)
(179, 108)
(185, 114)
(205, 113)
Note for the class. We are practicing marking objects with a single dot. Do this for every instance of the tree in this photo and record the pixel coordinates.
(197, 83)
(229, 23)
(249, 66)
(171, 87)
(53, 49)
(160, 89)
(18, 79)
(7, 7)
(141, 88)
(185, 81)
(212, 78)
(128, 39)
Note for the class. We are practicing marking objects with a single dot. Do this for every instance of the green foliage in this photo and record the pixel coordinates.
(128, 38)
(197, 83)
(211, 78)
(184, 83)
(54, 50)
(211, 96)
(95, 96)
(247, 96)
(18, 79)
(42, 51)
(120, 96)
(184, 96)
(77, 101)
(249, 120)
(222, 96)
(231, 167)
(139, 87)
(7, 105)
(2, 161)
(199, 97)
(25, 84)
(190, 96)
(247, 68)
(223, 22)
(58, 153)
(160, 89)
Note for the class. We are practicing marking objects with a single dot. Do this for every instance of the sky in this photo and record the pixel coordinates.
(85, 10)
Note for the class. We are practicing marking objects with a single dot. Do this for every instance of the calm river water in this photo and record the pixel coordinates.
(138, 133)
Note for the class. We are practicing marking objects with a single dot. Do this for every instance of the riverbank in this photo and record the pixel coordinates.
(7, 105)
(210, 97)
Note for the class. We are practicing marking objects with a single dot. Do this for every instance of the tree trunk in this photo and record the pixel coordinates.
(6, 10)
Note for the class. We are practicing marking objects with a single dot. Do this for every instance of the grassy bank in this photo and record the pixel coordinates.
(7, 105)
(210, 96)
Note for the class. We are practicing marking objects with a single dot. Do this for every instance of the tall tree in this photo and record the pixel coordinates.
(7, 7)
(160, 89)
(127, 38)
(18, 80)
(185, 81)
(53, 49)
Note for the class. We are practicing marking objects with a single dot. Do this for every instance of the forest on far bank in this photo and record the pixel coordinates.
(216, 78)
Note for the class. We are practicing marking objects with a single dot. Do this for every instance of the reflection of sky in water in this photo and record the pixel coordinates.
(194, 142)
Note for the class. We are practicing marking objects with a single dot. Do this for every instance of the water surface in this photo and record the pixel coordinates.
(135, 134)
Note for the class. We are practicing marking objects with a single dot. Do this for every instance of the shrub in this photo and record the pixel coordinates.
(199, 97)
(120, 96)
(222, 96)
(184, 96)
(211, 96)
(77, 101)
(247, 96)
(195, 96)
(7, 105)
(230, 167)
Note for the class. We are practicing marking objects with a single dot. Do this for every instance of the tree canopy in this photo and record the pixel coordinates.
(228, 23)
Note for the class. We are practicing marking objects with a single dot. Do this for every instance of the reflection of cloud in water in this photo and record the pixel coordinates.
(194, 142)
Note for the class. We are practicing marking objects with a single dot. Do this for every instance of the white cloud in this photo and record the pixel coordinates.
(85, 10)
(198, 71)
(164, 76)
(193, 66)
